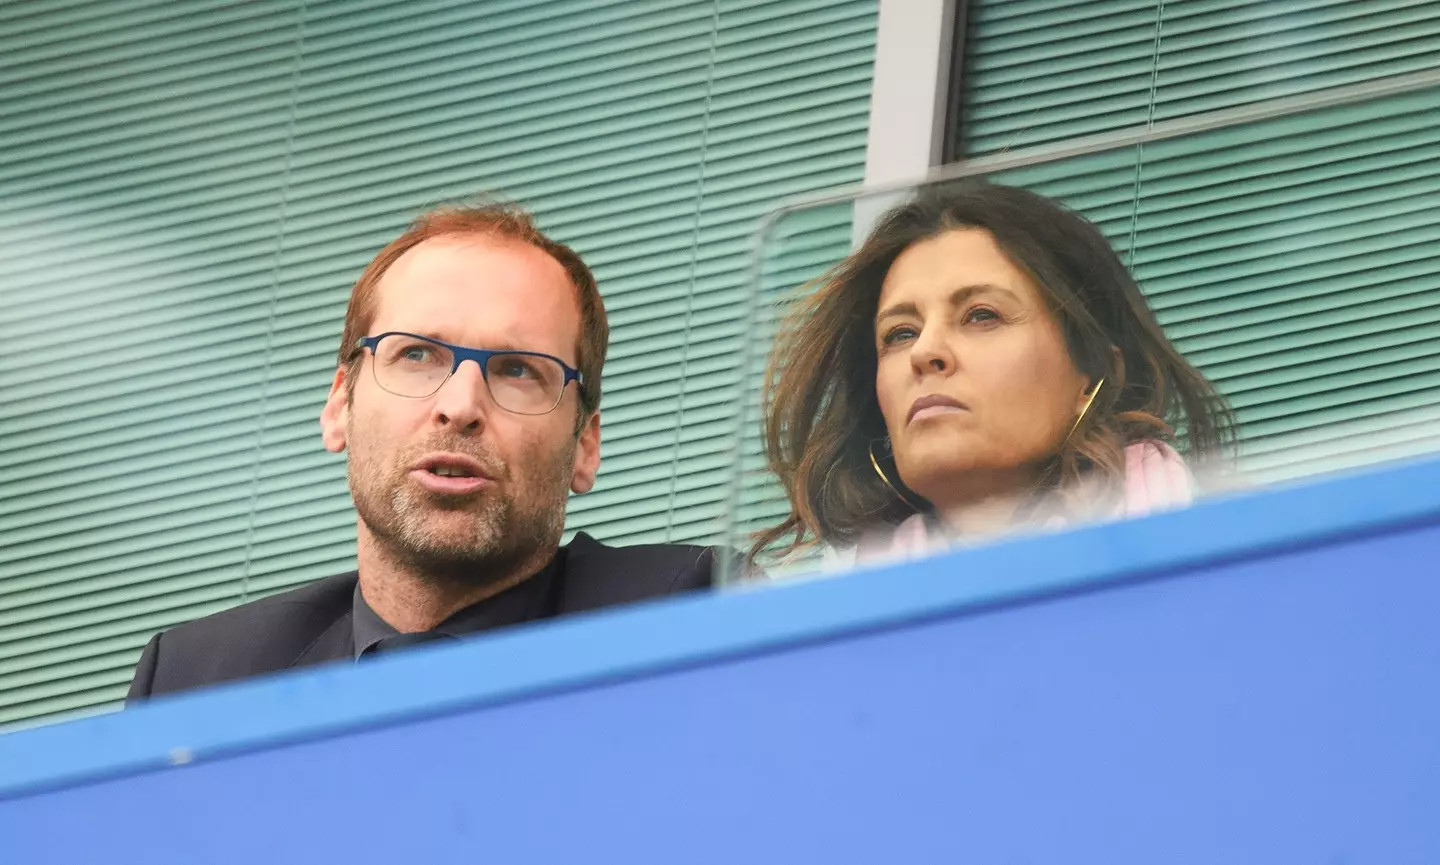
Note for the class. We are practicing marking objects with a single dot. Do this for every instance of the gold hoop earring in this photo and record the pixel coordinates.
(1084, 411)
(875, 464)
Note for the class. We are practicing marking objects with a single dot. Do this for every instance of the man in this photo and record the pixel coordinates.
(467, 399)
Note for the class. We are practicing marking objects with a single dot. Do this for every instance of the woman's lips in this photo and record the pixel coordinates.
(934, 411)
(933, 405)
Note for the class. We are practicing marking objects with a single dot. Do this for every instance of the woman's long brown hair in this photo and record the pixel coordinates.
(821, 413)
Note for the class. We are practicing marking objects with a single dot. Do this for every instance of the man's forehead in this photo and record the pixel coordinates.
(473, 286)
(474, 258)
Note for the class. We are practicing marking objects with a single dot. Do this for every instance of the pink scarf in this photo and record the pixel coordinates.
(1156, 479)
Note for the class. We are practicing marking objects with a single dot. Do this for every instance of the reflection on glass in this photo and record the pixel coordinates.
(985, 363)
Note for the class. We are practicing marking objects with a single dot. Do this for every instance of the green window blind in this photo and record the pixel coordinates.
(1043, 71)
(188, 191)
(1292, 260)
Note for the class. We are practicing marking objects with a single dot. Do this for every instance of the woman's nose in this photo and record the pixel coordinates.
(931, 352)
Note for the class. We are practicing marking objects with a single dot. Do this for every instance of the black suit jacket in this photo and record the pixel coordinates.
(312, 624)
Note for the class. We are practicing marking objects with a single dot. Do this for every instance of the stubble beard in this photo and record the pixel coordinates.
(463, 540)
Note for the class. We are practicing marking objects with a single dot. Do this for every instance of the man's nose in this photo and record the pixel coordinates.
(463, 401)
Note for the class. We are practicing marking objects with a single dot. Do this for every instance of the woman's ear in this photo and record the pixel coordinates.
(1116, 379)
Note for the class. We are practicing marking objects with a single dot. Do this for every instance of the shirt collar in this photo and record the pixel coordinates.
(531, 598)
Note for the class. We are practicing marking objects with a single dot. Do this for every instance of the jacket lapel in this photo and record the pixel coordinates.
(598, 576)
(588, 583)
(335, 643)
(595, 576)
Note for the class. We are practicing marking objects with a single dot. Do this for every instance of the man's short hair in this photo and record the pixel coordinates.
(499, 220)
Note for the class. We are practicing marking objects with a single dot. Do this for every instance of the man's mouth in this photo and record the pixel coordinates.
(451, 474)
(448, 481)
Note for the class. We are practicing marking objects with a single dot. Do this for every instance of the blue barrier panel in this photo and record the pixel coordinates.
(1251, 680)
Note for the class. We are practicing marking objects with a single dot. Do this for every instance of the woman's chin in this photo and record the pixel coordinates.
(942, 463)
(937, 467)
(938, 446)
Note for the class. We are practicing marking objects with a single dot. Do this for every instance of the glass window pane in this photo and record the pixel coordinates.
(1293, 261)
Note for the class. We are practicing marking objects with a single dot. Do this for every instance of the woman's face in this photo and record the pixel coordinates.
(974, 379)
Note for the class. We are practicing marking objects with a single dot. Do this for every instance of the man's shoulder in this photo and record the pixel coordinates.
(599, 575)
(658, 559)
(262, 636)
(319, 601)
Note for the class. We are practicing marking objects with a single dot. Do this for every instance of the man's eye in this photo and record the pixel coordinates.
(517, 369)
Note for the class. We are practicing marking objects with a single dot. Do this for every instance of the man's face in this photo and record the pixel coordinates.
(478, 292)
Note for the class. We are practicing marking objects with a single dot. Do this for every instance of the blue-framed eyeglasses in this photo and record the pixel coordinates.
(414, 366)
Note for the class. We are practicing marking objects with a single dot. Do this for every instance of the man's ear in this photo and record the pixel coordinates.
(587, 456)
(335, 416)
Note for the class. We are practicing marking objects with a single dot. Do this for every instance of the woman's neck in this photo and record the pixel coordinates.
(988, 506)
(979, 518)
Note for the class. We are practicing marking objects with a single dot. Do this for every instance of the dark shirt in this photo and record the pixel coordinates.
(533, 598)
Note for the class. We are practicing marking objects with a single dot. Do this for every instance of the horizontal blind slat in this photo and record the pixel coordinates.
(222, 216)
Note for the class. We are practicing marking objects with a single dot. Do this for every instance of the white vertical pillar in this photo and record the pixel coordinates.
(907, 100)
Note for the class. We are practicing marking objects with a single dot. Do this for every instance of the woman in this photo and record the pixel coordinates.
(984, 362)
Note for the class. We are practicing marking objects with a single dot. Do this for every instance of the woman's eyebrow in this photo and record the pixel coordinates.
(965, 292)
(957, 297)
(902, 308)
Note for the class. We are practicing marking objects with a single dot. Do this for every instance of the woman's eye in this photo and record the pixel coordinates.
(897, 335)
(980, 315)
